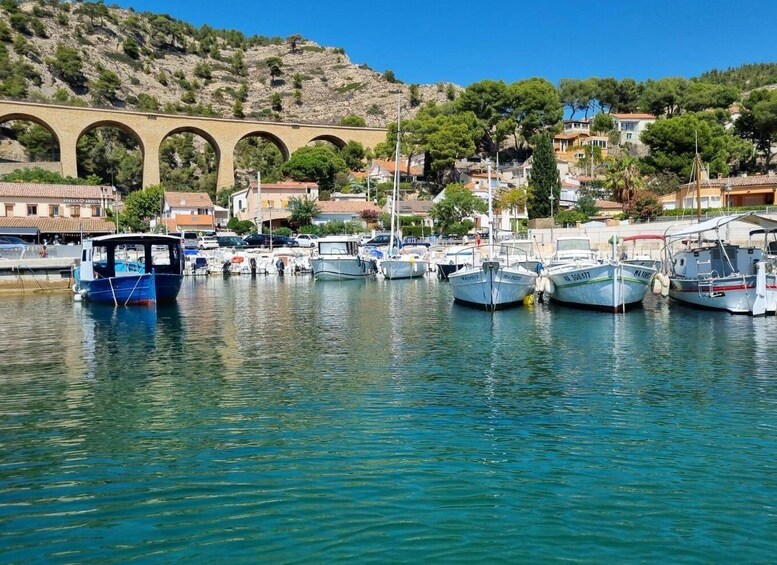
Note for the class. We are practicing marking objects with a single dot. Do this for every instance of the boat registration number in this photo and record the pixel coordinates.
(643, 274)
(574, 277)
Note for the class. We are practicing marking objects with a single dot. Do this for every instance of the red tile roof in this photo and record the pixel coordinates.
(757, 180)
(389, 166)
(285, 185)
(608, 205)
(34, 190)
(188, 199)
(345, 206)
(61, 225)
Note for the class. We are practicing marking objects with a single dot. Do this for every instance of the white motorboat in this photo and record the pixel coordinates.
(524, 251)
(577, 278)
(336, 258)
(493, 282)
(639, 254)
(709, 272)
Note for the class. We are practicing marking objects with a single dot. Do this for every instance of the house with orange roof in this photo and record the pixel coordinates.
(381, 171)
(190, 211)
(33, 209)
(274, 200)
(758, 190)
(345, 211)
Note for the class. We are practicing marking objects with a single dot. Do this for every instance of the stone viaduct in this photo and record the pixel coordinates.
(68, 123)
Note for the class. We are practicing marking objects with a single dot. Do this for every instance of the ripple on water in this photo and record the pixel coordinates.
(377, 421)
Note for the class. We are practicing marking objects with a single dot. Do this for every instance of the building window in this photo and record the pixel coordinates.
(95, 211)
(628, 126)
(75, 211)
(629, 135)
(32, 209)
(9, 210)
(54, 210)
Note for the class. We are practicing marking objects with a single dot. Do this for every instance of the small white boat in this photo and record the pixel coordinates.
(639, 255)
(709, 272)
(407, 264)
(577, 278)
(336, 258)
(492, 282)
(452, 260)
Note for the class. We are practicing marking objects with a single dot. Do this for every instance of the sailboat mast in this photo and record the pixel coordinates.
(490, 215)
(396, 178)
(697, 166)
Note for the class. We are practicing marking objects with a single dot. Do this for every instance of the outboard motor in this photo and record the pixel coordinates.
(225, 268)
(281, 266)
(252, 262)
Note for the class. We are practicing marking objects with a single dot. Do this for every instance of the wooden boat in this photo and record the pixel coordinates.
(130, 269)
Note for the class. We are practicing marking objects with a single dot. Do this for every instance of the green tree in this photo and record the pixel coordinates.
(623, 179)
(130, 47)
(106, 85)
(388, 75)
(293, 41)
(645, 207)
(758, 122)
(415, 96)
(68, 66)
(237, 109)
(544, 182)
(536, 106)
(353, 121)
(602, 123)
(586, 204)
(275, 64)
(514, 200)
(38, 142)
(457, 204)
(276, 102)
(700, 96)
(140, 207)
(673, 143)
(353, 153)
(303, 210)
(319, 163)
(663, 97)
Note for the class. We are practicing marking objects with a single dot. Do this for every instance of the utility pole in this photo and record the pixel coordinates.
(259, 203)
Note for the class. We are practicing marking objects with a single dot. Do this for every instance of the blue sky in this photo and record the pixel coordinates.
(427, 41)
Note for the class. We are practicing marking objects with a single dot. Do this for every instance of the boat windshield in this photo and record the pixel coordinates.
(515, 247)
(335, 248)
(573, 245)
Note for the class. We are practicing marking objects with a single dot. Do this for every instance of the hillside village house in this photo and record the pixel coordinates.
(381, 171)
(41, 212)
(188, 211)
(631, 127)
(759, 190)
(419, 208)
(345, 211)
(275, 200)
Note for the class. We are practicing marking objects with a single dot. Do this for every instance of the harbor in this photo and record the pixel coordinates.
(376, 418)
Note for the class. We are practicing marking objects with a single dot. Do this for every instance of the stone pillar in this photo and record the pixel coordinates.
(225, 150)
(67, 153)
(151, 162)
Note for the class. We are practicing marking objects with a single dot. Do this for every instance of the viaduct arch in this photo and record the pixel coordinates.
(68, 123)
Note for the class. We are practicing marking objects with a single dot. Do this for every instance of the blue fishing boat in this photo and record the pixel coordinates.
(130, 269)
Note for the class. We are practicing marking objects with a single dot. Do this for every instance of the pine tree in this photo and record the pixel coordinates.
(545, 181)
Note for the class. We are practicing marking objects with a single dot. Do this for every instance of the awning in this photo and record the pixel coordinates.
(715, 223)
(10, 230)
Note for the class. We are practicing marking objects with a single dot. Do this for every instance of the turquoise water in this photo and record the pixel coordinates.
(288, 421)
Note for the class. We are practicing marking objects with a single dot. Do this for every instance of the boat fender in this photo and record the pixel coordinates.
(657, 286)
(663, 279)
(549, 286)
(358, 261)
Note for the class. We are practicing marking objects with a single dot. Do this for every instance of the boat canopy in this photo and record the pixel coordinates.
(643, 236)
(716, 223)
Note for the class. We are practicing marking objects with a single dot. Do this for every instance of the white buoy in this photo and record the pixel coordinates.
(657, 286)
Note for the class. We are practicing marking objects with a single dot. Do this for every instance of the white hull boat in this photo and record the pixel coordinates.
(491, 285)
(404, 267)
(714, 274)
(612, 287)
(337, 259)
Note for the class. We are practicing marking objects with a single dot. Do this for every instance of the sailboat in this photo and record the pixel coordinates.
(492, 282)
(400, 263)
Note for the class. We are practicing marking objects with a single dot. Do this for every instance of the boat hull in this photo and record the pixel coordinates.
(445, 269)
(342, 269)
(734, 294)
(403, 268)
(491, 286)
(610, 287)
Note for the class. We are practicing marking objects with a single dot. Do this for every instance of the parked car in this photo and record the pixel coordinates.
(257, 240)
(191, 240)
(284, 241)
(306, 239)
(12, 240)
(413, 241)
(382, 241)
(207, 242)
(230, 241)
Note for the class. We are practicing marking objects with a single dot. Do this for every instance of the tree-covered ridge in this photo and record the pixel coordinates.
(745, 77)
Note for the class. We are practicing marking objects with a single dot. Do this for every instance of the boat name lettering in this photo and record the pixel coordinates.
(572, 277)
(643, 274)
(470, 277)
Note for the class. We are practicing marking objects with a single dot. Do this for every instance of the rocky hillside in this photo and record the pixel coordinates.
(90, 54)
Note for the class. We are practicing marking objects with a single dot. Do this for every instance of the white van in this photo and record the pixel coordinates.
(191, 240)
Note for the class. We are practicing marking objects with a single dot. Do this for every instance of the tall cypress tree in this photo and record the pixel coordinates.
(544, 180)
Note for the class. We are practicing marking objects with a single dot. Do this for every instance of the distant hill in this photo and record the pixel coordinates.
(745, 78)
(91, 54)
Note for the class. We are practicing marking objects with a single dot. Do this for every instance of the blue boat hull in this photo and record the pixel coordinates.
(141, 289)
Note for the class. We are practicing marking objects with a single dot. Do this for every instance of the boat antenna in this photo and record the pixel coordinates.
(396, 175)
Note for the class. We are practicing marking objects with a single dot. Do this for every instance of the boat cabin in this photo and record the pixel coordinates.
(717, 261)
(131, 254)
(337, 246)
